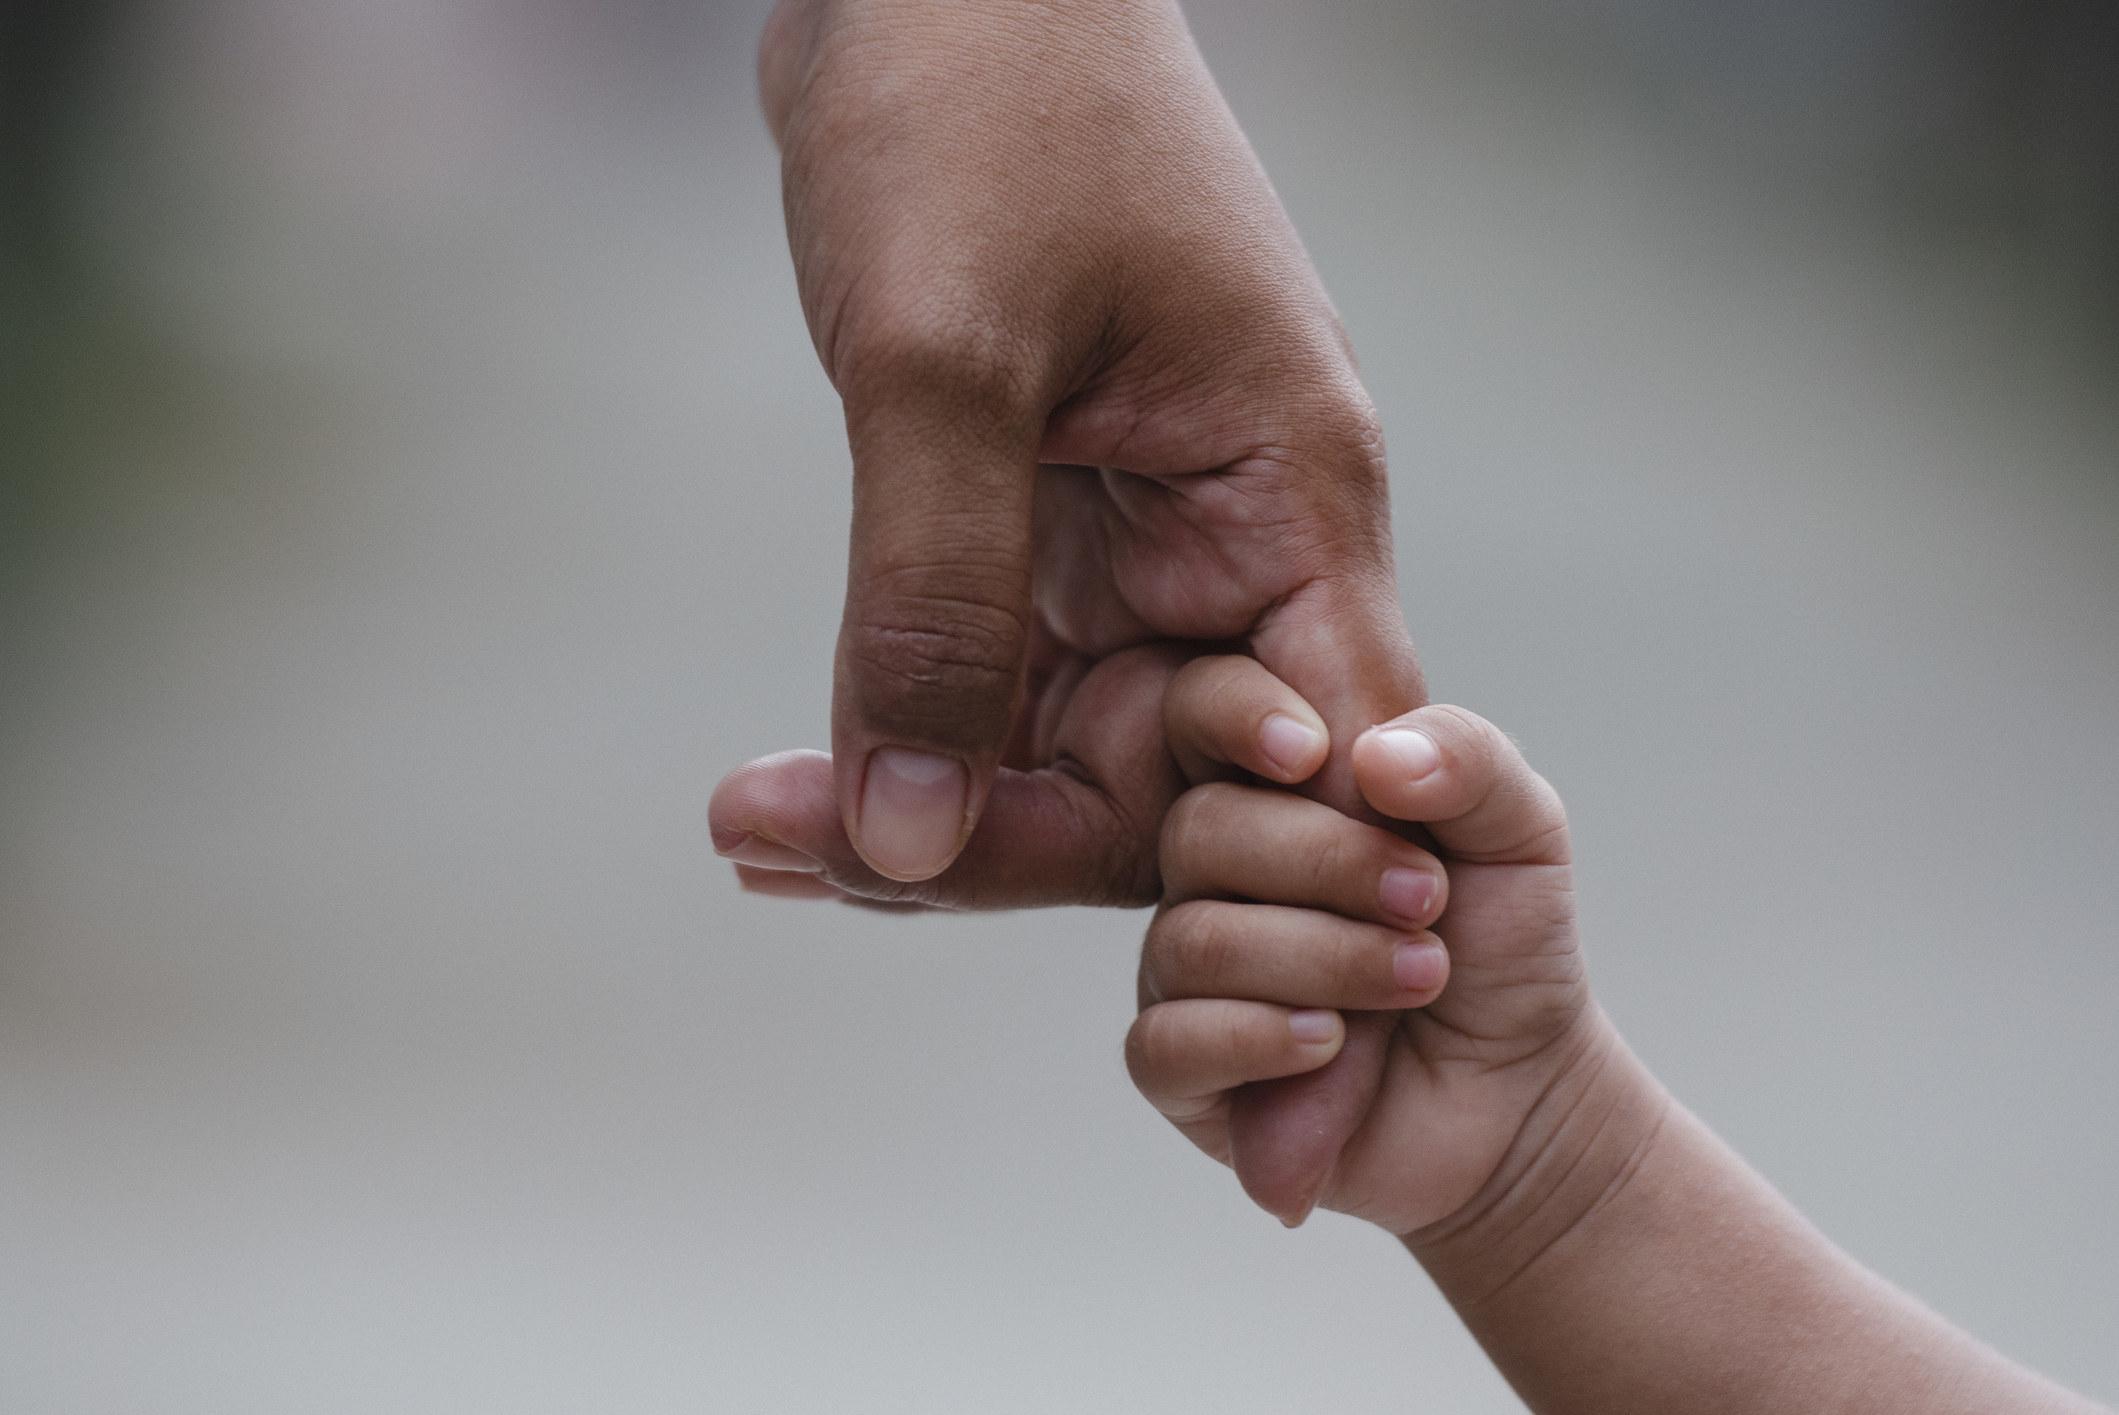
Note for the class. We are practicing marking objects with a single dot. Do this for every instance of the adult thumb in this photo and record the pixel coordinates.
(931, 647)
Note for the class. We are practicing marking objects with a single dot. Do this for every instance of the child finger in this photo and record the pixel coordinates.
(1466, 781)
(1294, 957)
(1227, 710)
(1185, 1056)
(1224, 841)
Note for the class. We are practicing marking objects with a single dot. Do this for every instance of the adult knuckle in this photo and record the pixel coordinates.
(935, 351)
(935, 650)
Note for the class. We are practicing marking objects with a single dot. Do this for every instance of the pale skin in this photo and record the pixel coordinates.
(1609, 1253)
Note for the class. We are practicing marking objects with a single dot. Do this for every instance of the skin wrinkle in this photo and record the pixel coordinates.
(970, 222)
(1207, 952)
(1503, 1184)
(943, 353)
(1629, 1167)
(969, 589)
(923, 666)
(1112, 411)
(1215, 951)
(1097, 816)
(1147, 877)
(924, 649)
(1147, 581)
(993, 272)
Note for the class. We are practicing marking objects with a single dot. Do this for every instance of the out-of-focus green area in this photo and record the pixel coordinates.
(47, 301)
(80, 361)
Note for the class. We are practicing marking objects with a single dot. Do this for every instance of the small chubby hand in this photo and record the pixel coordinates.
(1279, 914)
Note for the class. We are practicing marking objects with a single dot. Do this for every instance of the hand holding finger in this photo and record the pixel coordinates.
(1079, 831)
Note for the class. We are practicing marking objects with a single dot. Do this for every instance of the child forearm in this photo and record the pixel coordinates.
(1624, 1260)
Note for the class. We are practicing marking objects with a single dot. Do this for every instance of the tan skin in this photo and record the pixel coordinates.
(1609, 1253)
(1096, 399)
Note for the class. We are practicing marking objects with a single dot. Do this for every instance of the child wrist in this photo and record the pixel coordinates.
(1580, 1145)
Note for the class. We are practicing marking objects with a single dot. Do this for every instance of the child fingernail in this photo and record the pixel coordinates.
(1287, 744)
(1314, 1025)
(1420, 967)
(1409, 894)
(1413, 750)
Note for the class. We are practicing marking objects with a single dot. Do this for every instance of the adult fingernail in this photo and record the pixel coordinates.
(912, 812)
(1409, 894)
(1314, 1025)
(784, 884)
(771, 855)
(1287, 744)
(1414, 751)
(1420, 967)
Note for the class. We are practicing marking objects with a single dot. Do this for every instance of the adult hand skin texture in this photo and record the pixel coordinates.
(1096, 398)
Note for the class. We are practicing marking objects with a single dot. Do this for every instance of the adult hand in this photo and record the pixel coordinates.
(1085, 781)
(1094, 391)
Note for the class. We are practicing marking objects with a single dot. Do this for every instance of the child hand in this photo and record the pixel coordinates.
(1278, 910)
(1608, 1252)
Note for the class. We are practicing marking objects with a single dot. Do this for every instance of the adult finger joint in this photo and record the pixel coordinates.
(930, 664)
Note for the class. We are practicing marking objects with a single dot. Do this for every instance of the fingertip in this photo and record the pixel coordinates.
(1414, 896)
(786, 796)
(1398, 767)
(1228, 710)
(1479, 798)
(1421, 967)
(1292, 748)
(1410, 753)
(1317, 1029)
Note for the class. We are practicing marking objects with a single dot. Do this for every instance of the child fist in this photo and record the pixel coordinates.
(1279, 913)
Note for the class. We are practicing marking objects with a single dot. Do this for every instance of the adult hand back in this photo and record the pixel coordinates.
(1096, 396)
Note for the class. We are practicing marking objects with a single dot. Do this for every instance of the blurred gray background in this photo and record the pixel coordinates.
(418, 489)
